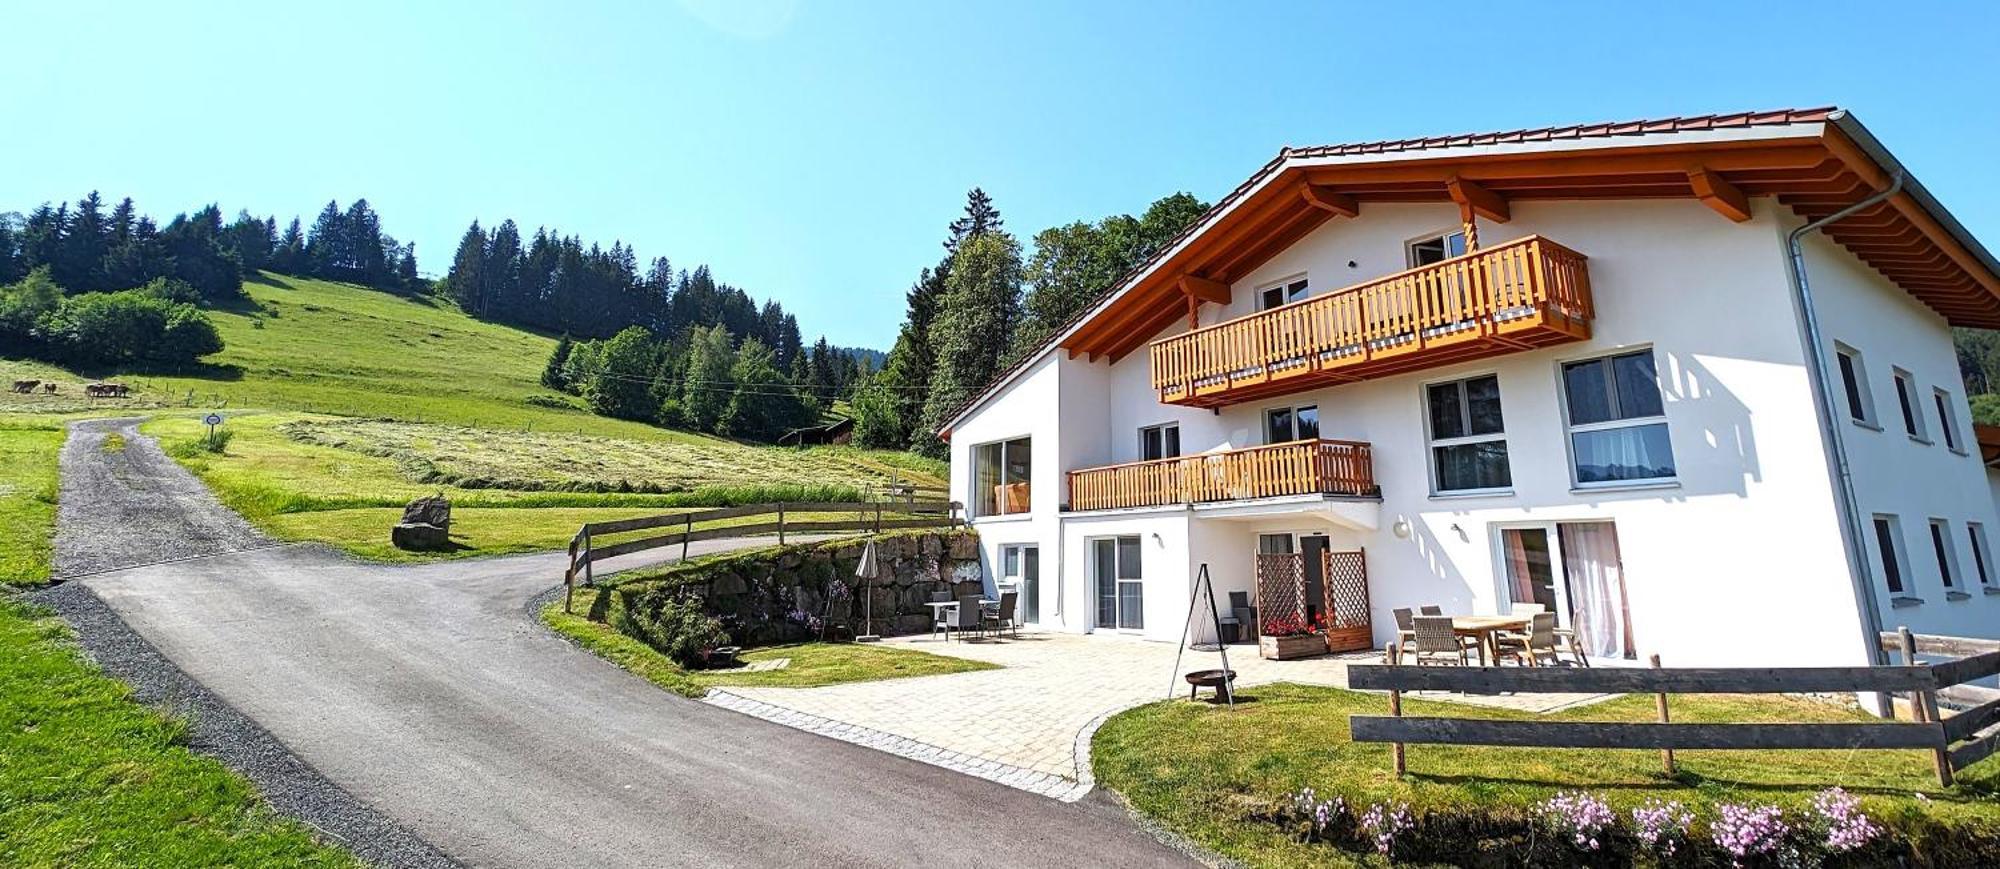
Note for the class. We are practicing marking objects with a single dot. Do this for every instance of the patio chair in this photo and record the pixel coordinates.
(1567, 637)
(1406, 631)
(967, 616)
(1246, 615)
(1002, 616)
(1430, 610)
(940, 616)
(1531, 647)
(1527, 609)
(1436, 641)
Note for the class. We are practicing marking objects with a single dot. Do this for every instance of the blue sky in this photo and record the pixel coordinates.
(814, 152)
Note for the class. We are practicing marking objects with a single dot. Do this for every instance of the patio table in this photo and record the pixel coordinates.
(939, 606)
(1484, 629)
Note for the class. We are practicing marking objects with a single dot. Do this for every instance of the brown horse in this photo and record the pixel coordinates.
(26, 386)
(49, 388)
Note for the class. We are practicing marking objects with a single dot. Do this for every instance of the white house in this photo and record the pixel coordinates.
(1568, 366)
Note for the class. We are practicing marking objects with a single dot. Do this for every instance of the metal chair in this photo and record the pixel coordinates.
(940, 616)
(965, 617)
(1436, 641)
(1002, 617)
(1531, 647)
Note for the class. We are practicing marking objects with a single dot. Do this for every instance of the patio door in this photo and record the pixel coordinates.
(1120, 592)
(1573, 569)
(1021, 572)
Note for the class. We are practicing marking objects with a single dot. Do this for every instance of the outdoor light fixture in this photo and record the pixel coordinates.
(1401, 529)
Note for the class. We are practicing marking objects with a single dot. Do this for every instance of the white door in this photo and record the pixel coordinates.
(1021, 572)
(1120, 591)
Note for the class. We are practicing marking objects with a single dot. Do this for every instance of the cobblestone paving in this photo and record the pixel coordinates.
(1028, 724)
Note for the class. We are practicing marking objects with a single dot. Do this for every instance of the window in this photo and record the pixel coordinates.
(1888, 533)
(1000, 477)
(1947, 558)
(1160, 441)
(1982, 557)
(1947, 422)
(1120, 590)
(1283, 293)
(1468, 446)
(1906, 400)
(1287, 424)
(1437, 248)
(1854, 381)
(1617, 422)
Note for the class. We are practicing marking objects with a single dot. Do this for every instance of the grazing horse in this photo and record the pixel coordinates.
(119, 390)
(26, 386)
(49, 388)
(96, 390)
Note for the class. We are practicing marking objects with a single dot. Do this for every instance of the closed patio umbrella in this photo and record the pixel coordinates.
(869, 570)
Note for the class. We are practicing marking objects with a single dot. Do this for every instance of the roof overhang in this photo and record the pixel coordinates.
(1814, 162)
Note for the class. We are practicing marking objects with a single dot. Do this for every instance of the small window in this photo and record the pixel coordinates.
(1947, 421)
(1854, 381)
(1468, 442)
(1888, 534)
(1906, 401)
(1283, 294)
(1617, 420)
(1160, 441)
(1947, 556)
(1000, 477)
(1283, 425)
(1982, 558)
(1436, 249)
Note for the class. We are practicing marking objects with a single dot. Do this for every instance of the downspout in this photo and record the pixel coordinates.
(1854, 530)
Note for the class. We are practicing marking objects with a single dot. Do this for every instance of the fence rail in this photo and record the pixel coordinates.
(1955, 741)
(869, 517)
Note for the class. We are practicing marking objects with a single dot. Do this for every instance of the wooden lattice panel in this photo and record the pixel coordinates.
(1348, 625)
(1281, 591)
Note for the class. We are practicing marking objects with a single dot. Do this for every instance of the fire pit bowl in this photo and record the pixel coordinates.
(1218, 680)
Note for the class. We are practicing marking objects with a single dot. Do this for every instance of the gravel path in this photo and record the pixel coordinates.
(131, 505)
(431, 697)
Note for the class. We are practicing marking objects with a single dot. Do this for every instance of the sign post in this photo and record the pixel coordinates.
(212, 420)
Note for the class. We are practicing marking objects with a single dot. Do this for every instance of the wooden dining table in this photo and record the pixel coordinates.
(1485, 630)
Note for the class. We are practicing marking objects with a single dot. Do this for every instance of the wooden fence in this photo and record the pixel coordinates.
(868, 517)
(1955, 741)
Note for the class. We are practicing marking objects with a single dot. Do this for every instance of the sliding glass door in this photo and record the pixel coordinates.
(1574, 570)
(1120, 592)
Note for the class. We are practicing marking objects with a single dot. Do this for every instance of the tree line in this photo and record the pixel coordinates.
(982, 308)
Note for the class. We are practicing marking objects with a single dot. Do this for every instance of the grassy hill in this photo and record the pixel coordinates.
(345, 402)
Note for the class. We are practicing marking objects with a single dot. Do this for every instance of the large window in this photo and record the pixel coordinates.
(1854, 384)
(1286, 424)
(1437, 248)
(1889, 546)
(1283, 293)
(1906, 400)
(1000, 477)
(1468, 442)
(1617, 422)
(1161, 441)
(1947, 421)
(1947, 556)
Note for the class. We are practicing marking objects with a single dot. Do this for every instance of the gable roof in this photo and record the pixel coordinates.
(1815, 161)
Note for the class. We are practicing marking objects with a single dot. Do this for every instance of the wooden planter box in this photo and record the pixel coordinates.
(1355, 639)
(1287, 648)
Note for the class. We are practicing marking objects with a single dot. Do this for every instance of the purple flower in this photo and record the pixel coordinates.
(1577, 816)
(1306, 803)
(1846, 827)
(1662, 826)
(1749, 831)
(1384, 823)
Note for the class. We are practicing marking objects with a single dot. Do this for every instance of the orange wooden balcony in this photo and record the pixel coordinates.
(1515, 296)
(1307, 467)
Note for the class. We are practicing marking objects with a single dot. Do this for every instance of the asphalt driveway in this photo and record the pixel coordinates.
(430, 695)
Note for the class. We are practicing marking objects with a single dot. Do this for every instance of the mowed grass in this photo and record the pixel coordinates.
(28, 450)
(1208, 771)
(812, 664)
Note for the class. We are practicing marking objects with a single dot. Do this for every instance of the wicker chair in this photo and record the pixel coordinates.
(1430, 610)
(967, 616)
(1002, 616)
(1437, 642)
(1406, 632)
(1531, 647)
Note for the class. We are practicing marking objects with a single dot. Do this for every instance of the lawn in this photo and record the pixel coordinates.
(28, 450)
(812, 664)
(1216, 775)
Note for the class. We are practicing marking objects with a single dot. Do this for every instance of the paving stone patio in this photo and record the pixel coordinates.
(1028, 724)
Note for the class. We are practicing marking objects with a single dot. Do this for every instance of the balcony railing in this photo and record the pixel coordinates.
(1308, 467)
(1523, 294)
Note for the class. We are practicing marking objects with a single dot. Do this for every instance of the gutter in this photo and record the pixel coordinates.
(1853, 529)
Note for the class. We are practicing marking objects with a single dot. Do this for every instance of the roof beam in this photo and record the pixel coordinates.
(1203, 289)
(1793, 157)
(1483, 202)
(1324, 197)
(1717, 193)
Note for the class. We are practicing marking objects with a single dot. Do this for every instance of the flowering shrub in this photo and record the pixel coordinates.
(1384, 823)
(1321, 814)
(1749, 831)
(1840, 816)
(1286, 626)
(1578, 817)
(1662, 827)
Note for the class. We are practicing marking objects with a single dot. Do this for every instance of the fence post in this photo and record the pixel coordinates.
(689, 532)
(878, 517)
(1908, 643)
(781, 523)
(1660, 701)
(1923, 706)
(1396, 706)
(589, 575)
(569, 579)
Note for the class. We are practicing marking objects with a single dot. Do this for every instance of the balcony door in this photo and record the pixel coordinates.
(1121, 594)
(1575, 571)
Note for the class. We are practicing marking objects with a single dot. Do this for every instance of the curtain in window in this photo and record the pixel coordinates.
(1596, 579)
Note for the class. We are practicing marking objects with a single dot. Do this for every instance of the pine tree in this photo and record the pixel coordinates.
(707, 388)
(193, 244)
(821, 378)
(290, 256)
(466, 282)
(41, 236)
(327, 255)
(80, 265)
(971, 334)
(368, 261)
(11, 269)
(502, 271)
